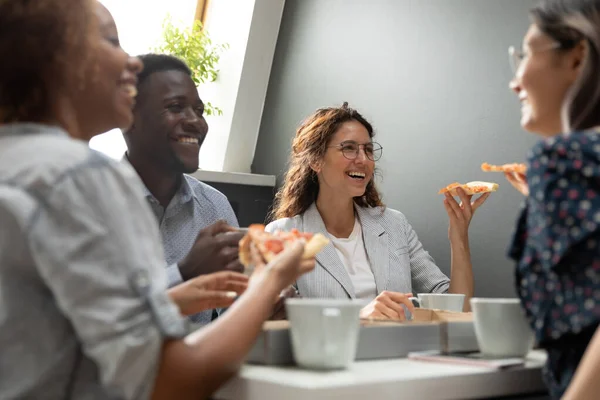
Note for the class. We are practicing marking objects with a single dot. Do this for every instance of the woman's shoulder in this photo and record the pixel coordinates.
(284, 224)
(575, 145)
(575, 154)
(384, 213)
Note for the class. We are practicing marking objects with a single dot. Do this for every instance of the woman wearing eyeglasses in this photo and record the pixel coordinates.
(374, 254)
(557, 243)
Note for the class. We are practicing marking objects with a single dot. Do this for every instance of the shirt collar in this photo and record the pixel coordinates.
(183, 195)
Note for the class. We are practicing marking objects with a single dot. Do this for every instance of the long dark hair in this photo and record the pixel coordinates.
(569, 22)
(301, 186)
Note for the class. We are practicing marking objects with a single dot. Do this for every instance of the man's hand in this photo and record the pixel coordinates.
(215, 249)
(206, 292)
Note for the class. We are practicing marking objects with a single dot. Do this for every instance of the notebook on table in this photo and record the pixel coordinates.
(475, 359)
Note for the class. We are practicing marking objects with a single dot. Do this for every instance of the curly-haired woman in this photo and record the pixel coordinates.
(374, 254)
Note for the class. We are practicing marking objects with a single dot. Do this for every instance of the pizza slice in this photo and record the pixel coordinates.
(514, 167)
(470, 188)
(271, 244)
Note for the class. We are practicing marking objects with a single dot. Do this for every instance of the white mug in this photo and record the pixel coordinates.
(440, 301)
(324, 332)
(501, 327)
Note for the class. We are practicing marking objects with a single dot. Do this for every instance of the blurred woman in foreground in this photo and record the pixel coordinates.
(557, 244)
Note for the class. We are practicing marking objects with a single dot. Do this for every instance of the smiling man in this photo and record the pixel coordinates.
(163, 145)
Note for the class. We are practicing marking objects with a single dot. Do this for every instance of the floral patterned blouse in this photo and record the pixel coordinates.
(557, 242)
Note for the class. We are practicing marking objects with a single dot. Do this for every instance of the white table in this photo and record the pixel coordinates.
(385, 379)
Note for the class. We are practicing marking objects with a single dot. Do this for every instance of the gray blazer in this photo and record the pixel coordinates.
(398, 260)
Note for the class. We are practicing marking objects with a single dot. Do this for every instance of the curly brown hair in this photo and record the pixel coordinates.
(42, 44)
(300, 186)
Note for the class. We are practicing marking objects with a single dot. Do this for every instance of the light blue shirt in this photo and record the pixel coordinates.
(195, 206)
(84, 310)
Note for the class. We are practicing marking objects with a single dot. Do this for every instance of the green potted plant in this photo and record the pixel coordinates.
(194, 46)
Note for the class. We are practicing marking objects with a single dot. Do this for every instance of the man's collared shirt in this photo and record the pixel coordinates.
(194, 206)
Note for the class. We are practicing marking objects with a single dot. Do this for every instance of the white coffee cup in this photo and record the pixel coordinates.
(501, 327)
(441, 301)
(324, 332)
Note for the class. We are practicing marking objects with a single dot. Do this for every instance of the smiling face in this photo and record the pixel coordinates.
(107, 98)
(169, 125)
(542, 81)
(340, 175)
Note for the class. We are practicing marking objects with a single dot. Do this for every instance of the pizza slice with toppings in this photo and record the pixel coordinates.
(271, 244)
(471, 188)
(514, 167)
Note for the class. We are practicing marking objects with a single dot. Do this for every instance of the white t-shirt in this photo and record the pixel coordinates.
(354, 257)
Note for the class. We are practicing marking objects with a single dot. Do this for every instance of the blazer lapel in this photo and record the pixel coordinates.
(328, 257)
(376, 245)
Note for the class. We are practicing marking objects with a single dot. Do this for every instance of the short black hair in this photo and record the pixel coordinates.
(161, 62)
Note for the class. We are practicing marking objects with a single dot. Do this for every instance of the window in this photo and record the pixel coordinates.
(232, 137)
(140, 25)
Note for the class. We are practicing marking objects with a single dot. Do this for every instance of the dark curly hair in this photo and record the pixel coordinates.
(301, 186)
(42, 44)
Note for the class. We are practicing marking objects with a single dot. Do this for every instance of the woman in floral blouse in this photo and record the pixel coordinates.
(557, 243)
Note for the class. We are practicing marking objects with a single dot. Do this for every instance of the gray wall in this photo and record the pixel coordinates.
(432, 76)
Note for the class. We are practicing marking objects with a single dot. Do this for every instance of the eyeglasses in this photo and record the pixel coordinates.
(350, 150)
(516, 57)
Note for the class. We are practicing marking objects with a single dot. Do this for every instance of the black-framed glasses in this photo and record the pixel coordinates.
(350, 149)
(517, 56)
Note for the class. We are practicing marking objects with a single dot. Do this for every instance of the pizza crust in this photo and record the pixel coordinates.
(514, 167)
(244, 251)
(315, 245)
(470, 188)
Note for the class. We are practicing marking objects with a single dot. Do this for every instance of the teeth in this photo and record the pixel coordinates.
(186, 139)
(130, 89)
(357, 174)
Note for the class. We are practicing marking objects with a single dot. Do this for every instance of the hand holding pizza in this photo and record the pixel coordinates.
(518, 181)
(514, 173)
(460, 214)
(284, 268)
(287, 255)
(215, 249)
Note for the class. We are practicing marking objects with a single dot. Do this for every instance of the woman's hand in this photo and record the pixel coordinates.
(460, 215)
(518, 181)
(283, 270)
(388, 305)
(279, 311)
(206, 292)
